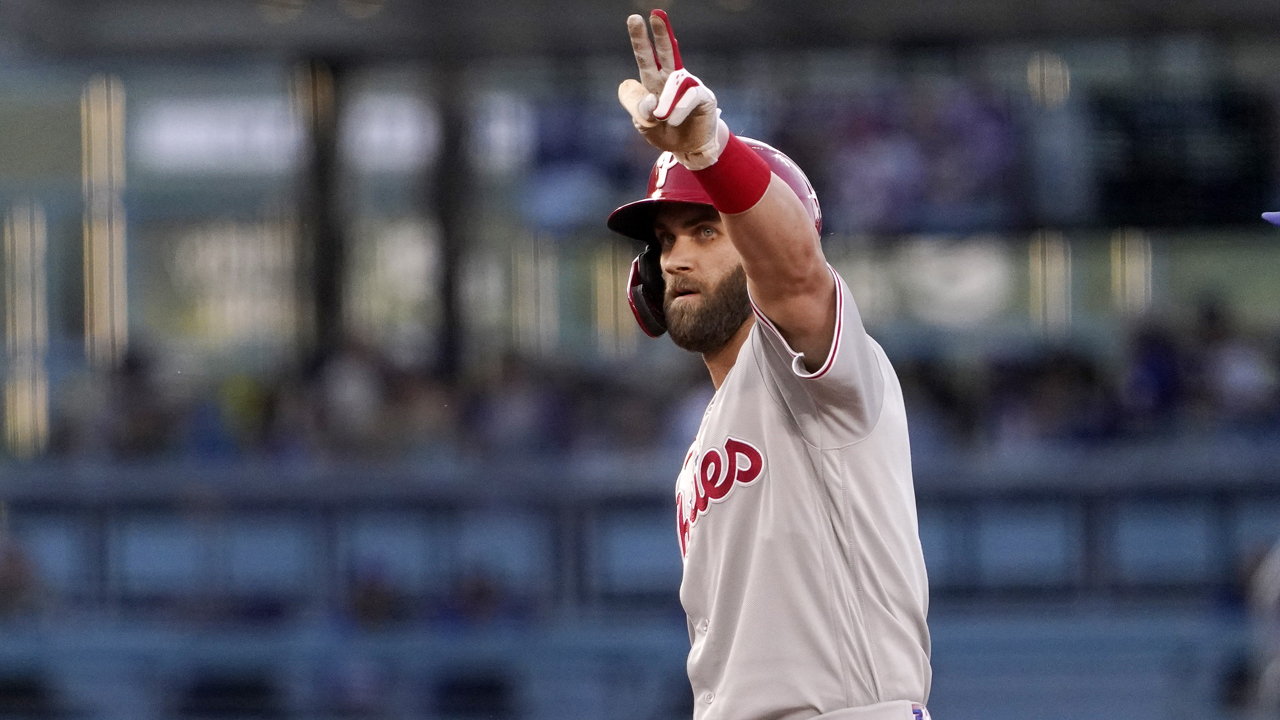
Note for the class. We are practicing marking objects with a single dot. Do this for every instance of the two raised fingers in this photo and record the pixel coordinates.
(658, 58)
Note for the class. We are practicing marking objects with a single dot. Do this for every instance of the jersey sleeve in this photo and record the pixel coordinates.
(839, 403)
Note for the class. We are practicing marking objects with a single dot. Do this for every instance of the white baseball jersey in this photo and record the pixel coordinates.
(804, 581)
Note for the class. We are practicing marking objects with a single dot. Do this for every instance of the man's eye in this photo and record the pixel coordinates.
(708, 232)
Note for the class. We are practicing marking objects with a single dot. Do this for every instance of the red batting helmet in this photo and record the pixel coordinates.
(669, 181)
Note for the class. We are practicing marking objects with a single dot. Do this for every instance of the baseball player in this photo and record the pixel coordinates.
(804, 582)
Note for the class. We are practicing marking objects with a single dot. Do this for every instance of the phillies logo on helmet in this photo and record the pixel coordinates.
(714, 475)
(666, 161)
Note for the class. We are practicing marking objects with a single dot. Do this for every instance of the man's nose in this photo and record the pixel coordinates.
(679, 257)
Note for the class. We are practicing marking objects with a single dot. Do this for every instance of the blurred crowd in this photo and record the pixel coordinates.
(924, 156)
(927, 155)
(1204, 376)
(356, 403)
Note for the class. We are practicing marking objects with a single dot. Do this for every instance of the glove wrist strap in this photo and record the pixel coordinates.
(738, 178)
(707, 155)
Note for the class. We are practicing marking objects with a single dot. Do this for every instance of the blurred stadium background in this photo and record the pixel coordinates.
(321, 399)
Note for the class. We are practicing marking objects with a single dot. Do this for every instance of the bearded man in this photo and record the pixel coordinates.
(804, 583)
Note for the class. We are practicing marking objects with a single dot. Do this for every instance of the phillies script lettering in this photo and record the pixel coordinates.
(715, 473)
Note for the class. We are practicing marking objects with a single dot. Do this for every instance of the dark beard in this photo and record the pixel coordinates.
(707, 327)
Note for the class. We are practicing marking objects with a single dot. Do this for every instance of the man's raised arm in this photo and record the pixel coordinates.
(786, 271)
(781, 253)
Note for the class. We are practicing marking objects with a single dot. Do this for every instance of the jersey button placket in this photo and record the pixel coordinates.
(703, 626)
(708, 697)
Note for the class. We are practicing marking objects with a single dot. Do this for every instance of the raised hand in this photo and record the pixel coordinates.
(670, 107)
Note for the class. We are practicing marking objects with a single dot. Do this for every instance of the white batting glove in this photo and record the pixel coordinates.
(671, 107)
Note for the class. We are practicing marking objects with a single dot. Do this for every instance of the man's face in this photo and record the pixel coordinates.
(706, 299)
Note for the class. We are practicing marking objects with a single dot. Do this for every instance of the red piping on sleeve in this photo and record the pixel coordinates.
(835, 341)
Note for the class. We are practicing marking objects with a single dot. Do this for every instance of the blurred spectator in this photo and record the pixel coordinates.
(80, 423)
(19, 585)
(879, 175)
(1075, 401)
(1060, 397)
(941, 414)
(1152, 387)
(423, 414)
(351, 390)
(375, 602)
(684, 416)
(934, 156)
(293, 427)
(1235, 379)
(125, 414)
(245, 407)
(970, 148)
(142, 423)
(476, 598)
(479, 597)
(634, 419)
(521, 413)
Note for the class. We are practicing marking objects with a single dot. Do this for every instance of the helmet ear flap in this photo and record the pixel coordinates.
(645, 290)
